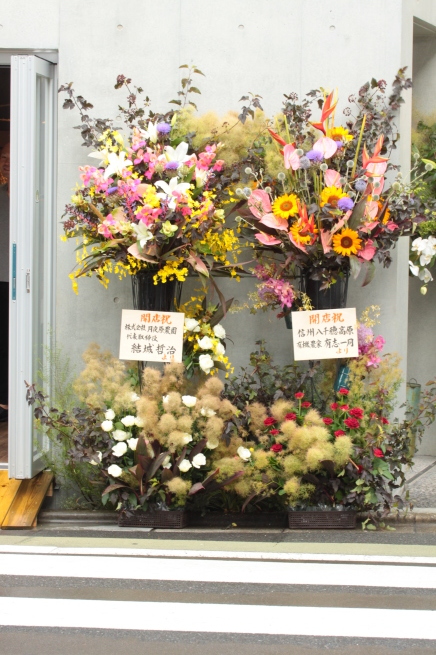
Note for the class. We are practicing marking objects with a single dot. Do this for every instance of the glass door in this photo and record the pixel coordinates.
(32, 223)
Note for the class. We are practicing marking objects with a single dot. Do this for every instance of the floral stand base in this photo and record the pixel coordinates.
(177, 518)
(319, 520)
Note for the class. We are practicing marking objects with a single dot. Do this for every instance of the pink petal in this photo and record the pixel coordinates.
(259, 203)
(292, 160)
(270, 220)
(296, 244)
(326, 146)
(371, 209)
(266, 239)
(376, 170)
(331, 178)
(392, 226)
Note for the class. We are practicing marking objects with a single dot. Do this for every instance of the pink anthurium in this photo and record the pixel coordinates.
(326, 146)
(267, 239)
(332, 178)
(374, 166)
(326, 240)
(292, 160)
(270, 220)
(259, 203)
(368, 252)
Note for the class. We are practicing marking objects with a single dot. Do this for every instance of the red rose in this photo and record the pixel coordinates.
(343, 391)
(274, 432)
(384, 420)
(345, 408)
(352, 423)
(306, 404)
(290, 417)
(334, 406)
(277, 448)
(339, 433)
(378, 452)
(269, 421)
(356, 412)
(299, 395)
(327, 420)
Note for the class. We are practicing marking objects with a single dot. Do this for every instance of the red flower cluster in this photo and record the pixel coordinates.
(274, 432)
(384, 420)
(356, 412)
(352, 423)
(344, 408)
(299, 395)
(306, 404)
(327, 420)
(277, 448)
(343, 392)
(378, 452)
(339, 433)
(290, 417)
(334, 406)
(269, 421)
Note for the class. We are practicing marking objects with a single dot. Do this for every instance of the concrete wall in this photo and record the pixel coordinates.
(269, 48)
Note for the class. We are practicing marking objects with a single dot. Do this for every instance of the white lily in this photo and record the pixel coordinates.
(174, 187)
(201, 177)
(102, 155)
(117, 163)
(150, 133)
(143, 234)
(178, 154)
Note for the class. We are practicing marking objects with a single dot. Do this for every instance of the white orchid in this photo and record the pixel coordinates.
(143, 234)
(414, 269)
(117, 163)
(171, 191)
(179, 154)
(425, 275)
(150, 133)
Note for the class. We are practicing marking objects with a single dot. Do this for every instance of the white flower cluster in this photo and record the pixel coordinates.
(207, 361)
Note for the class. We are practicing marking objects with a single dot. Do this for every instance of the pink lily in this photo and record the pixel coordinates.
(259, 203)
(267, 239)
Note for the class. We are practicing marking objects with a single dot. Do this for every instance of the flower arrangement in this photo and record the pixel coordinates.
(204, 338)
(152, 201)
(316, 198)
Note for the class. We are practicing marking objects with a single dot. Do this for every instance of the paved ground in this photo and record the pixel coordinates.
(422, 482)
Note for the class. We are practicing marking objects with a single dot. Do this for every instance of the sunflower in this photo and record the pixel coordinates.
(339, 134)
(331, 195)
(387, 215)
(285, 206)
(347, 242)
(303, 231)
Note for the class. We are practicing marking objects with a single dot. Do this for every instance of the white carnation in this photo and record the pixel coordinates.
(198, 460)
(244, 453)
(189, 401)
(219, 331)
(128, 421)
(110, 414)
(185, 465)
(114, 470)
(206, 363)
(120, 435)
(107, 426)
(119, 449)
(132, 443)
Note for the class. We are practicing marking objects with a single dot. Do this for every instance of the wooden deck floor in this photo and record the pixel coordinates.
(4, 442)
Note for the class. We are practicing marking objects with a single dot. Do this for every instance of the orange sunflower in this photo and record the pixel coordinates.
(331, 196)
(285, 206)
(303, 230)
(347, 242)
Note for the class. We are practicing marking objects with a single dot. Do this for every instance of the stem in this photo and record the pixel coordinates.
(358, 146)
